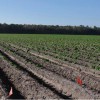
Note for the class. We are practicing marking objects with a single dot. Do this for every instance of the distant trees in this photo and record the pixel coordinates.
(49, 29)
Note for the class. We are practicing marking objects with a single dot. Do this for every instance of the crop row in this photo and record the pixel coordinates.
(82, 50)
(65, 72)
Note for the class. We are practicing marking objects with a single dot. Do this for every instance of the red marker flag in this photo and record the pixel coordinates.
(11, 92)
(79, 81)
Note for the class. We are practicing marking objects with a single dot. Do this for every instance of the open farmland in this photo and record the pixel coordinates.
(47, 66)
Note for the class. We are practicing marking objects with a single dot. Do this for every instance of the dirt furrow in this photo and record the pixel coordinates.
(60, 84)
(30, 88)
(59, 62)
(90, 80)
(7, 85)
(3, 94)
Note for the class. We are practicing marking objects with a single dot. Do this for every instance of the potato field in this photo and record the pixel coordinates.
(34, 66)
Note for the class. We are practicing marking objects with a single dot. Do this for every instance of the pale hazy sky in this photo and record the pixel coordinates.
(61, 12)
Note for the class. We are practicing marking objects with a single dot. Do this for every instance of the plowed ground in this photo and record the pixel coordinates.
(35, 77)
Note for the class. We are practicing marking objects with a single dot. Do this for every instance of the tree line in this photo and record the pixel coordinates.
(48, 29)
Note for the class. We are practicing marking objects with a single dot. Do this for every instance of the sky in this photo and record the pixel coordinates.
(50, 12)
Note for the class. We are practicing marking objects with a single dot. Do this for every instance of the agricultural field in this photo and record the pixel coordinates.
(50, 66)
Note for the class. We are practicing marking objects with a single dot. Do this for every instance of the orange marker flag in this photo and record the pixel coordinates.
(79, 81)
(11, 92)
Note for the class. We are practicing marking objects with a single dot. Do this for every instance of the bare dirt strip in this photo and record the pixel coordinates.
(6, 86)
(29, 87)
(2, 90)
(59, 62)
(59, 84)
(90, 80)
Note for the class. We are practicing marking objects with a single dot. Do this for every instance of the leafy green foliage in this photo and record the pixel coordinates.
(82, 50)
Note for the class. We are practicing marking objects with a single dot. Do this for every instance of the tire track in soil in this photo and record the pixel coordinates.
(36, 75)
(56, 93)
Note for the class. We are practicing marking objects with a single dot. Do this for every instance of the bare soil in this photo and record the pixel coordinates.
(28, 87)
(90, 80)
(36, 77)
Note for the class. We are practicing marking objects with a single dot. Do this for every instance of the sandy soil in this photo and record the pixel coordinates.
(45, 79)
